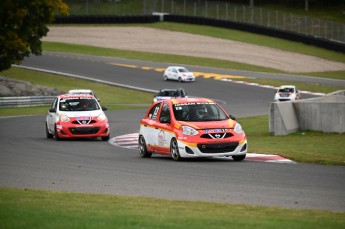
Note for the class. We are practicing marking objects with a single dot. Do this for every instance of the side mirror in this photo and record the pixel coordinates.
(164, 120)
(232, 117)
(52, 110)
(104, 108)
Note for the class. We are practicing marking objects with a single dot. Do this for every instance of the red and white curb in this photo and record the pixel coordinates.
(130, 141)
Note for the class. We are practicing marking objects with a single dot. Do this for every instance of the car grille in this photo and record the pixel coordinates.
(217, 135)
(84, 130)
(217, 148)
(86, 123)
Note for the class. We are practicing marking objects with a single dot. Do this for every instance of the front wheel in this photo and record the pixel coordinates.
(106, 138)
(174, 152)
(142, 148)
(239, 157)
(165, 77)
(56, 135)
(180, 79)
(49, 135)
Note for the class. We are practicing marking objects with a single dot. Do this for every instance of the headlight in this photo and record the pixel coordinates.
(102, 117)
(63, 118)
(187, 130)
(238, 128)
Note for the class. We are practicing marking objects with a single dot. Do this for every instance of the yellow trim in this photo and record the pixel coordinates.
(231, 123)
(188, 124)
(189, 143)
(243, 140)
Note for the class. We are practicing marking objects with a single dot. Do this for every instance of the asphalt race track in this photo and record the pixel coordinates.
(29, 160)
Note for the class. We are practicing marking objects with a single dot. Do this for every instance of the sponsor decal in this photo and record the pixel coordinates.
(161, 138)
(217, 135)
(84, 120)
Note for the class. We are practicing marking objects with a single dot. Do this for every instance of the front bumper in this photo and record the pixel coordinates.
(215, 149)
(82, 131)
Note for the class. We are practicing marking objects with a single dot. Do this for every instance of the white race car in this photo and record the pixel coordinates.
(287, 93)
(77, 116)
(178, 73)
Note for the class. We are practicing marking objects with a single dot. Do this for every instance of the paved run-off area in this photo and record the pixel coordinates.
(169, 42)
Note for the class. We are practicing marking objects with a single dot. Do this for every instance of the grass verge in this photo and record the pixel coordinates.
(302, 146)
(112, 97)
(51, 209)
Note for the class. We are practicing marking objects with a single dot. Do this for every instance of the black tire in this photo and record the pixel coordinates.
(106, 138)
(239, 157)
(175, 154)
(142, 148)
(56, 135)
(165, 78)
(180, 79)
(49, 135)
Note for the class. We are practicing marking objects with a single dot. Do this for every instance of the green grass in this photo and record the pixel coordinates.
(302, 146)
(112, 97)
(313, 87)
(49, 209)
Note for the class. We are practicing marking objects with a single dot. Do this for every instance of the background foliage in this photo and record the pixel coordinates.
(22, 25)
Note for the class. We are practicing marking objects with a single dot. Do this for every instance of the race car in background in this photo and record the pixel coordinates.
(170, 93)
(287, 93)
(77, 116)
(178, 73)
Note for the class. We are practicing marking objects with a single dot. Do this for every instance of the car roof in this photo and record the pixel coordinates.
(172, 89)
(80, 91)
(287, 86)
(191, 100)
(70, 96)
(176, 67)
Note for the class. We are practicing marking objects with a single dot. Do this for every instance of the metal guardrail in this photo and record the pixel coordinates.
(26, 101)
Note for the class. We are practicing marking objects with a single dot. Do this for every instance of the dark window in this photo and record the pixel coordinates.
(154, 112)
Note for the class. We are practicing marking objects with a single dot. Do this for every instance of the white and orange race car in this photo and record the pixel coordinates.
(77, 116)
(191, 127)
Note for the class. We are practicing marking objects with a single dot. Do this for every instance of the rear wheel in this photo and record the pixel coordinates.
(175, 154)
(142, 148)
(49, 135)
(239, 157)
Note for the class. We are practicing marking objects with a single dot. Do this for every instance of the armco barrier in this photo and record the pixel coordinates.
(26, 101)
(326, 113)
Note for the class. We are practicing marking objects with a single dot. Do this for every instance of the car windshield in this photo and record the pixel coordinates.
(170, 93)
(286, 90)
(183, 70)
(77, 104)
(199, 112)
